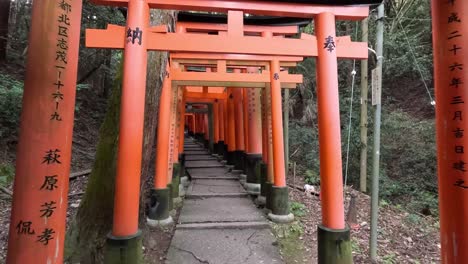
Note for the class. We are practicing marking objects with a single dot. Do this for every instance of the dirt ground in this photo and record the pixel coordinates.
(403, 237)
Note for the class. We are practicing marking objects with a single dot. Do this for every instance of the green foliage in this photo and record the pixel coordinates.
(298, 209)
(7, 173)
(312, 177)
(11, 94)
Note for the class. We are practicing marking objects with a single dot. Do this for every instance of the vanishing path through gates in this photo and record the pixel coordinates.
(219, 222)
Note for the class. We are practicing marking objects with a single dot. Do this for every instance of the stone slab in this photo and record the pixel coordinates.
(219, 209)
(196, 152)
(227, 246)
(204, 186)
(228, 225)
(203, 164)
(211, 195)
(200, 157)
(208, 172)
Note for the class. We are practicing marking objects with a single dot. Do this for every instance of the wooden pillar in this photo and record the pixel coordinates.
(39, 209)
(216, 125)
(246, 111)
(450, 35)
(333, 236)
(277, 125)
(231, 137)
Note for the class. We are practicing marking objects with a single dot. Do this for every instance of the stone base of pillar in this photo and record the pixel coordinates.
(170, 201)
(182, 164)
(123, 250)
(252, 188)
(253, 168)
(220, 148)
(181, 190)
(231, 157)
(185, 181)
(242, 178)
(266, 188)
(158, 213)
(334, 246)
(239, 160)
(175, 180)
(215, 149)
(260, 201)
(280, 205)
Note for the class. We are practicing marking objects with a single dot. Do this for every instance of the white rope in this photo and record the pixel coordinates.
(353, 74)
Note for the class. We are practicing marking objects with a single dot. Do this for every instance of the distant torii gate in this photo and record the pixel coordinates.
(136, 39)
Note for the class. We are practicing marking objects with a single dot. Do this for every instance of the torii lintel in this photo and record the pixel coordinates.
(253, 7)
(306, 46)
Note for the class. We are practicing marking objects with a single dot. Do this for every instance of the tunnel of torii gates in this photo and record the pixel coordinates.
(223, 82)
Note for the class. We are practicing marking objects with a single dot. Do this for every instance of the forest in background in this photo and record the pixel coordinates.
(408, 157)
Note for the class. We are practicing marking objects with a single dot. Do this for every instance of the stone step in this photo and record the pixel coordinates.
(207, 186)
(226, 225)
(211, 195)
(227, 246)
(203, 164)
(219, 209)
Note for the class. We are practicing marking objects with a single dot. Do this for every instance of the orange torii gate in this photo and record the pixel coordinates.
(136, 39)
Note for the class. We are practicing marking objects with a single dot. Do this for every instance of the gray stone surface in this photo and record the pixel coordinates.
(219, 209)
(228, 246)
(200, 157)
(196, 152)
(208, 172)
(204, 186)
(203, 164)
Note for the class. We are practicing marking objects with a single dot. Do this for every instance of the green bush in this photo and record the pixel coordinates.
(11, 94)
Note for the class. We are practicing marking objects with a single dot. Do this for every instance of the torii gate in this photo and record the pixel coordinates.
(136, 39)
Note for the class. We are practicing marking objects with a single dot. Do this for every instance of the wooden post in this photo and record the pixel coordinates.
(451, 77)
(39, 209)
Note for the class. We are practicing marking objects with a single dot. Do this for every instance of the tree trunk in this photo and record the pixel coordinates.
(87, 234)
(4, 17)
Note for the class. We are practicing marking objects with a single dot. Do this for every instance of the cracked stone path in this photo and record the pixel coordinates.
(219, 223)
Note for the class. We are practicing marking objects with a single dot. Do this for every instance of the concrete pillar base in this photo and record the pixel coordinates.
(281, 219)
(239, 159)
(266, 189)
(220, 148)
(182, 165)
(334, 246)
(123, 250)
(229, 167)
(252, 188)
(279, 200)
(261, 200)
(185, 181)
(160, 223)
(231, 158)
(159, 204)
(236, 172)
(181, 190)
(253, 168)
(171, 203)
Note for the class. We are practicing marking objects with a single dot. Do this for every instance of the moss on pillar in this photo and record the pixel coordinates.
(279, 200)
(171, 202)
(175, 180)
(268, 186)
(334, 246)
(124, 250)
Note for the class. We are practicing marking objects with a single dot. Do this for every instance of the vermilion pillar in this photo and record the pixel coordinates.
(182, 177)
(231, 125)
(333, 236)
(221, 148)
(239, 122)
(254, 154)
(245, 111)
(450, 35)
(279, 191)
(127, 183)
(175, 172)
(160, 195)
(216, 125)
(37, 229)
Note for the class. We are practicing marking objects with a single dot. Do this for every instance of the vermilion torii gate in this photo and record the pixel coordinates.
(37, 234)
(334, 243)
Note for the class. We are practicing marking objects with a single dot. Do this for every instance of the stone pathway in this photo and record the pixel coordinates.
(219, 223)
